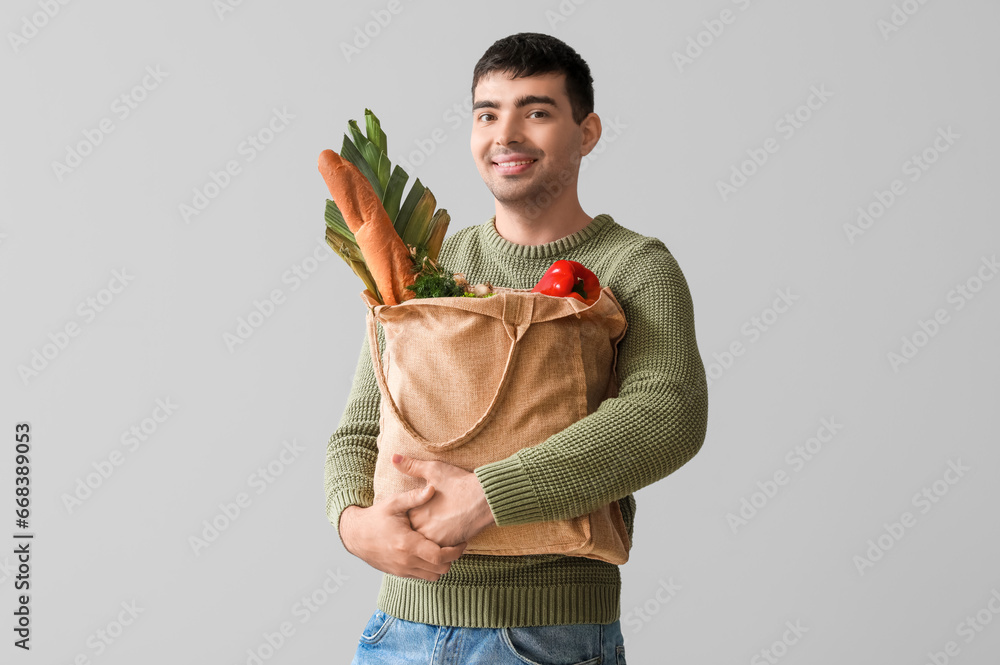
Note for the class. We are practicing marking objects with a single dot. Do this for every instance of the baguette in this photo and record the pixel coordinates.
(388, 258)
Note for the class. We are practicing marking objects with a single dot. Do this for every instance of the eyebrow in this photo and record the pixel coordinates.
(523, 100)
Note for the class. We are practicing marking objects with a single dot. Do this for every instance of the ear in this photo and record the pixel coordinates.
(591, 128)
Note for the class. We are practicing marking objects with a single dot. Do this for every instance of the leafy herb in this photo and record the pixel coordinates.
(433, 281)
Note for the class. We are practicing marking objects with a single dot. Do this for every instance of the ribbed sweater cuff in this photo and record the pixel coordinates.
(338, 502)
(509, 492)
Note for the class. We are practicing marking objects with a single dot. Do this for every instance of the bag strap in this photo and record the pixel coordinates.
(515, 330)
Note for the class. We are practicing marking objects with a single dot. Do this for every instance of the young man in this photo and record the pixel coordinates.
(533, 102)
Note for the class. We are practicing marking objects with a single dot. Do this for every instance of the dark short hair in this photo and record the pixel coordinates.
(529, 53)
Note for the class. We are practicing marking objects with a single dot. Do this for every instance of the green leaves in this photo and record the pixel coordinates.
(433, 281)
(394, 192)
(414, 217)
(375, 132)
(352, 154)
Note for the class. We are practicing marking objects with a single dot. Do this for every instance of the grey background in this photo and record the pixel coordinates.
(680, 130)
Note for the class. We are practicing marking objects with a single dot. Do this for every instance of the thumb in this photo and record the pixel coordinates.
(415, 497)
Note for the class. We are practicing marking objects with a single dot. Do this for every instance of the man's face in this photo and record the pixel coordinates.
(521, 119)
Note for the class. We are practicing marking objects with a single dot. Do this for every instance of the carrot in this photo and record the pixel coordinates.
(388, 258)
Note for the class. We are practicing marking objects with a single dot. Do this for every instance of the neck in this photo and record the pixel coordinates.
(538, 226)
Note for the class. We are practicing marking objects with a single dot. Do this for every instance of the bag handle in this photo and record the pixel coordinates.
(518, 333)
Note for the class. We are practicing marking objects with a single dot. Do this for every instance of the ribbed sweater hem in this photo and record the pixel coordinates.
(495, 607)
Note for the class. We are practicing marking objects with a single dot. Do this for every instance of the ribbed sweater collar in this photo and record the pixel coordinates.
(492, 239)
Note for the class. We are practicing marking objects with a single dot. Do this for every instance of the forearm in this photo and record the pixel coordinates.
(628, 443)
(347, 478)
(346, 525)
(352, 449)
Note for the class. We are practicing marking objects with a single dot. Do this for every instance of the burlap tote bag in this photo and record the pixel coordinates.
(472, 380)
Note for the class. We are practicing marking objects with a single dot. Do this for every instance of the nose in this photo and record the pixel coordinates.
(508, 130)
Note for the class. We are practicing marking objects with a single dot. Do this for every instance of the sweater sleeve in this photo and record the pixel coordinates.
(352, 450)
(652, 428)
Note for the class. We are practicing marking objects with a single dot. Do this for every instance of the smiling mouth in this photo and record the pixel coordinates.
(515, 163)
(513, 167)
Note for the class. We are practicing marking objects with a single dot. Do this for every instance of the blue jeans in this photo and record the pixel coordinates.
(389, 640)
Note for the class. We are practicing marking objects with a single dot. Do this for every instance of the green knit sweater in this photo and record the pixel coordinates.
(653, 427)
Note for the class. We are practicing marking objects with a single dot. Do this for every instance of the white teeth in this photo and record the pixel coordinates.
(514, 163)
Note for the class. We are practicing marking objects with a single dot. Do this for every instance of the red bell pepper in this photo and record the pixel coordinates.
(587, 284)
(570, 279)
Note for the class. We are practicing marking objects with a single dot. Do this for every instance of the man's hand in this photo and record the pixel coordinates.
(458, 510)
(381, 536)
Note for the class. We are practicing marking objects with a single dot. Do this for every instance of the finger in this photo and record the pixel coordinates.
(421, 496)
(405, 500)
(432, 571)
(426, 570)
(434, 554)
(427, 557)
(421, 574)
(453, 553)
(411, 467)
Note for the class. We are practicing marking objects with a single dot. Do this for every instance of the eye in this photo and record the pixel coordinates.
(534, 112)
(482, 114)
